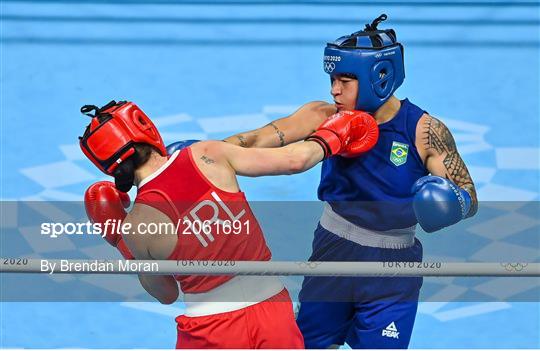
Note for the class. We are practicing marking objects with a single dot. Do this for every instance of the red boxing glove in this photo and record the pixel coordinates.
(104, 202)
(347, 133)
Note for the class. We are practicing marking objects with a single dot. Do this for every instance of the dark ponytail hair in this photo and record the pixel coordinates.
(124, 175)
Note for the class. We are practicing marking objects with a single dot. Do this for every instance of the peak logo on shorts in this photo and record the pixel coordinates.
(398, 153)
(391, 331)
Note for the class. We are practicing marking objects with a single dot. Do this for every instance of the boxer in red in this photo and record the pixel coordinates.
(196, 189)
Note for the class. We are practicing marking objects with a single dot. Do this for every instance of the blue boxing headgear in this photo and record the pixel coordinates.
(374, 57)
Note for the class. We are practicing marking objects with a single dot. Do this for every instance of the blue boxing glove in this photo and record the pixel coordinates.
(439, 203)
(179, 145)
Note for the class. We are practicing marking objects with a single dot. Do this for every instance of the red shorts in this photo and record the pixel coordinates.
(268, 324)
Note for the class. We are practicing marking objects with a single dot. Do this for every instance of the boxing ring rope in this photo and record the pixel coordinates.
(277, 268)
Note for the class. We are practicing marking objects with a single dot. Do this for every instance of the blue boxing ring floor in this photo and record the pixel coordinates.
(208, 69)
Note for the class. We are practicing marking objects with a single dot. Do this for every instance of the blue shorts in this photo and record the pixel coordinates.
(365, 312)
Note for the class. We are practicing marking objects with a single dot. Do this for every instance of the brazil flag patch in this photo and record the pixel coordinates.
(399, 152)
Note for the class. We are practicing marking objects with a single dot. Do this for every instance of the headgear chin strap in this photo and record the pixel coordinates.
(374, 57)
(113, 131)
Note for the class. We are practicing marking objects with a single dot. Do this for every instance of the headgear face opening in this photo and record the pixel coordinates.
(374, 57)
(113, 131)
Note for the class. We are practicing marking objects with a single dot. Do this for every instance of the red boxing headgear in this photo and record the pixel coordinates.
(110, 137)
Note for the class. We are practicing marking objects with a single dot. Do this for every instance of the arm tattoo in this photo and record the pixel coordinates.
(242, 140)
(438, 139)
(280, 134)
(207, 160)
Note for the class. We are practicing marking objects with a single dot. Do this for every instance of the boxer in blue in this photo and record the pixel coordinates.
(413, 175)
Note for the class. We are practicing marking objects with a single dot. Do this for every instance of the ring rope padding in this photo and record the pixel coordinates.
(273, 268)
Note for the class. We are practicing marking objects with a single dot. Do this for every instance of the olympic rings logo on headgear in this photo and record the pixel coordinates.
(514, 267)
(329, 67)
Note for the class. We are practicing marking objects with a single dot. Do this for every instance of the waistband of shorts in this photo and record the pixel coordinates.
(388, 239)
(235, 294)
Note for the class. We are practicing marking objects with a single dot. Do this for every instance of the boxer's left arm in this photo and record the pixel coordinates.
(158, 246)
(442, 157)
(437, 195)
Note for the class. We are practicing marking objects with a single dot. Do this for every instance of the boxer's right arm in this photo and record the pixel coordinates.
(221, 161)
(286, 130)
(348, 133)
(290, 159)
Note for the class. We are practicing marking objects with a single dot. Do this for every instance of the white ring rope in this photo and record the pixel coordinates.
(279, 268)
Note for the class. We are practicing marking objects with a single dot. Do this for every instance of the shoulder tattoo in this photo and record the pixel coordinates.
(207, 160)
(437, 139)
